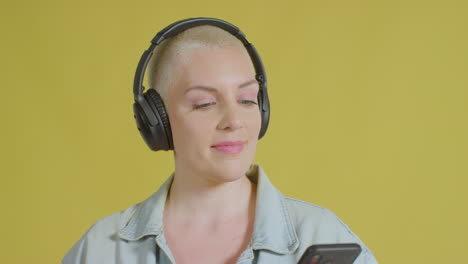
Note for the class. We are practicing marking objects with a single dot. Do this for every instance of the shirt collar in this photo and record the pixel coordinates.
(146, 218)
(273, 227)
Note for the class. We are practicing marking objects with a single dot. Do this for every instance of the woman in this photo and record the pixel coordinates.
(217, 206)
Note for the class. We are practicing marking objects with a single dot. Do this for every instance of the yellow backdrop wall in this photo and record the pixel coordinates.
(369, 117)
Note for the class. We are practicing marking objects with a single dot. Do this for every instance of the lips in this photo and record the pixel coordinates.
(229, 147)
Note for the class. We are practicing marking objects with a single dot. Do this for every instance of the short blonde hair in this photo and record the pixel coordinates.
(173, 52)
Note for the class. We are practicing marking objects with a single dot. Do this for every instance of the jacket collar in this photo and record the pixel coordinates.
(145, 218)
(273, 227)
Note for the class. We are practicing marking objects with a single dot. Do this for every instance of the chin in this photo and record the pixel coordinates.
(231, 170)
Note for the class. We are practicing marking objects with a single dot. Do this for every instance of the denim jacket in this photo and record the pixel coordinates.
(283, 229)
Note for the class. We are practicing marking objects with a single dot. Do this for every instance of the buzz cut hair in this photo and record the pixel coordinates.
(172, 53)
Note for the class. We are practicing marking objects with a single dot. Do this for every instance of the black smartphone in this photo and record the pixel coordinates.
(331, 254)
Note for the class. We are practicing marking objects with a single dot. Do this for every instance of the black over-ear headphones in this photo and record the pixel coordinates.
(149, 111)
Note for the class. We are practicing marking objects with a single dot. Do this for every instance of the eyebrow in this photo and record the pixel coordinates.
(212, 89)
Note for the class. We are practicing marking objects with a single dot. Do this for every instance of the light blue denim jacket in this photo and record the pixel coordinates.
(283, 229)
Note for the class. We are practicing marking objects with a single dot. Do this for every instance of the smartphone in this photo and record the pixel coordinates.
(331, 254)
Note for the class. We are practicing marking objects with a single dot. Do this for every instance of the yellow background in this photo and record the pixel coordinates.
(369, 117)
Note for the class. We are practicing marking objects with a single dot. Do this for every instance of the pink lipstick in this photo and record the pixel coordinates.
(229, 147)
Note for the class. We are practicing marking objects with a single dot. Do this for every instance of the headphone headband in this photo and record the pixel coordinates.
(179, 26)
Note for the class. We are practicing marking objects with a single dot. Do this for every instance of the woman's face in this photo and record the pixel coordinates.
(213, 101)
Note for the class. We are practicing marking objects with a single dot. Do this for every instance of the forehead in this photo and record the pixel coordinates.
(216, 67)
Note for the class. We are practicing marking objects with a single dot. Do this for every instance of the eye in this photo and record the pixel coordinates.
(248, 102)
(195, 107)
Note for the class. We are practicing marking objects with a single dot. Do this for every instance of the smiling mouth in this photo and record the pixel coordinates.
(229, 147)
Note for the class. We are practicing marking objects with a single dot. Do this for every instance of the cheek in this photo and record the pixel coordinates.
(197, 128)
(255, 123)
(190, 131)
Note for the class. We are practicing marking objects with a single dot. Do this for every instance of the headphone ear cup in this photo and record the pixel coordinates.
(157, 104)
(143, 124)
(265, 115)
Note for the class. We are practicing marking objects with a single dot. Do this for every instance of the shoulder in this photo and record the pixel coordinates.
(305, 214)
(108, 227)
(324, 223)
(100, 238)
(302, 209)
(318, 225)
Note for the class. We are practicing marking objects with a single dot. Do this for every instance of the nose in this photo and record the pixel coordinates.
(231, 118)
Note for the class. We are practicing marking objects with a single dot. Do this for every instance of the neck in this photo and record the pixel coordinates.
(196, 198)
